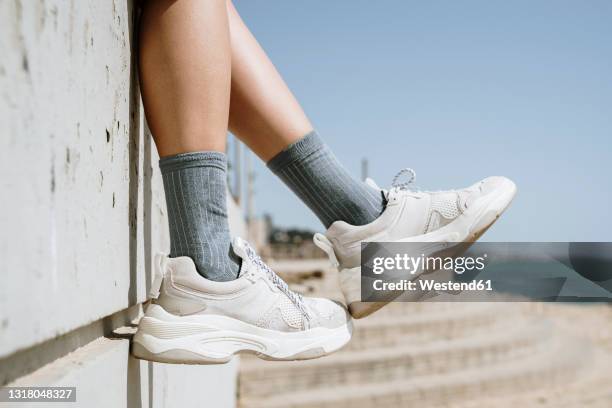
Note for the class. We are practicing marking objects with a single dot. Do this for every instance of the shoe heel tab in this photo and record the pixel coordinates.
(325, 244)
(160, 266)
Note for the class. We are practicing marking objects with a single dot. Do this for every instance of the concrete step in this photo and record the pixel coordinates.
(379, 365)
(592, 388)
(555, 365)
(412, 308)
(417, 327)
(591, 397)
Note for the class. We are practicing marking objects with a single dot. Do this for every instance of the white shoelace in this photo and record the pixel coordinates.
(404, 185)
(294, 297)
(409, 186)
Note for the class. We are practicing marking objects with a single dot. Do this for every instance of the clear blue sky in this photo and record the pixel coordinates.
(457, 91)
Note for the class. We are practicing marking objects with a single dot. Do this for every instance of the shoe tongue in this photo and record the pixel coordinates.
(372, 183)
(239, 246)
(244, 267)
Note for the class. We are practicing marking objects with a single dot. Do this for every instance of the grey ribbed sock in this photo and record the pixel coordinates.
(195, 187)
(314, 173)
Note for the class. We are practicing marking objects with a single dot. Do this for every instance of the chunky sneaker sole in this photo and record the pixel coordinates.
(214, 339)
(466, 228)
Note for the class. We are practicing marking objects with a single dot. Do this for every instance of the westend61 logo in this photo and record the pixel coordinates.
(412, 264)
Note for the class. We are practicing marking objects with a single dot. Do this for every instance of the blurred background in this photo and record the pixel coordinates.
(455, 90)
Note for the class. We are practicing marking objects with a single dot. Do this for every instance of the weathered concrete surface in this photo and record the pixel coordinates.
(82, 208)
(106, 376)
(71, 142)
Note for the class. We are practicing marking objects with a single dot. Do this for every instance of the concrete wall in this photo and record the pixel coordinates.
(82, 209)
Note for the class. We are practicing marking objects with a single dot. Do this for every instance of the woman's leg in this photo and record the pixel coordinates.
(264, 113)
(185, 74)
(185, 70)
(266, 116)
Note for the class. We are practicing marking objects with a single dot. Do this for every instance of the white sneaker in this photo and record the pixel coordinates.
(414, 216)
(193, 320)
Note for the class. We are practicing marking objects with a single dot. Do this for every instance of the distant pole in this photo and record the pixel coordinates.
(237, 171)
(250, 192)
(364, 169)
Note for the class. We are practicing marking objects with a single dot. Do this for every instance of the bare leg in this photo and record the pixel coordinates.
(185, 68)
(263, 113)
(266, 116)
